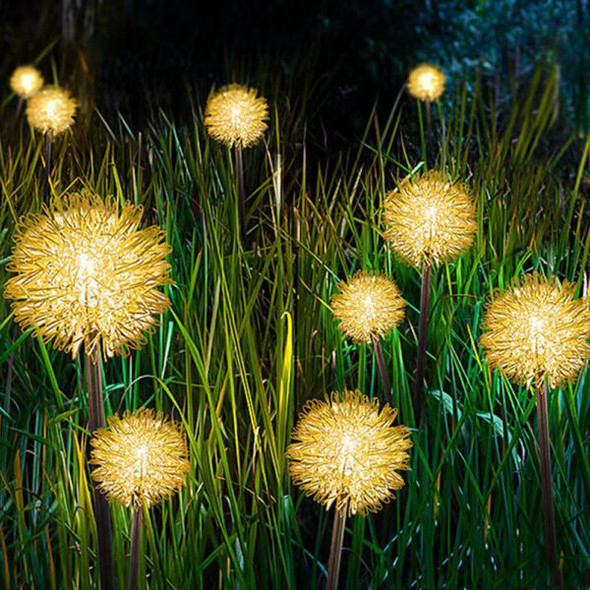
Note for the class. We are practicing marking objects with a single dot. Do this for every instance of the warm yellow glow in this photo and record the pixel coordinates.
(235, 115)
(426, 82)
(368, 307)
(429, 220)
(87, 275)
(51, 110)
(346, 452)
(536, 330)
(26, 81)
(139, 458)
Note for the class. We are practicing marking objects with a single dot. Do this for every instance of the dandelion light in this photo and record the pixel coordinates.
(346, 453)
(51, 111)
(536, 332)
(87, 276)
(237, 117)
(139, 460)
(26, 81)
(426, 82)
(367, 308)
(429, 219)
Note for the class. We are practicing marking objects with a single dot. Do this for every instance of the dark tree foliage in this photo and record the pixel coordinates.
(339, 55)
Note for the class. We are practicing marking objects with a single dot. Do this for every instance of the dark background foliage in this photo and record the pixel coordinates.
(337, 55)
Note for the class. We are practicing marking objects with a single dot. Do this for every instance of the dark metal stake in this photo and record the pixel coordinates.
(383, 371)
(336, 549)
(102, 510)
(241, 194)
(428, 131)
(422, 340)
(546, 486)
(19, 109)
(134, 554)
(47, 166)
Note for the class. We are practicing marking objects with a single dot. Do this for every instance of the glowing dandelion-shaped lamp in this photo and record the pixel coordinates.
(51, 111)
(429, 220)
(368, 307)
(346, 453)
(26, 81)
(86, 277)
(237, 117)
(537, 332)
(427, 84)
(139, 460)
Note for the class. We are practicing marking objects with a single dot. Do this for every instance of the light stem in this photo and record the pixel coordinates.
(95, 394)
(47, 166)
(383, 371)
(336, 549)
(136, 521)
(102, 510)
(19, 109)
(428, 130)
(422, 339)
(546, 485)
(241, 194)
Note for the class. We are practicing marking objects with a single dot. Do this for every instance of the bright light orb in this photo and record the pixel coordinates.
(429, 220)
(235, 115)
(51, 111)
(345, 452)
(426, 82)
(368, 307)
(537, 330)
(140, 458)
(26, 81)
(86, 274)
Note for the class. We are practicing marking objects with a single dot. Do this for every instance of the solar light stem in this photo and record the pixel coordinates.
(95, 394)
(383, 371)
(136, 521)
(422, 339)
(241, 194)
(47, 165)
(546, 485)
(428, 130)
(336, 549)
(19, 110)
(102, 512)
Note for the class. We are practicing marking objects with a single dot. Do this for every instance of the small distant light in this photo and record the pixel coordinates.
(426, 82)
(51, 111)
(26, 81)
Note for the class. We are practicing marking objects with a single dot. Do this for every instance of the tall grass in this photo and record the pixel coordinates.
(250, 338)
